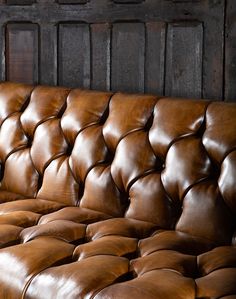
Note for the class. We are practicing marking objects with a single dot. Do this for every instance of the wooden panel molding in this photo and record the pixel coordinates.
(155, 57)
(184, 60)
(74, 55)
(128, 50)
(168, 47)
(101, 56)
(22, 52)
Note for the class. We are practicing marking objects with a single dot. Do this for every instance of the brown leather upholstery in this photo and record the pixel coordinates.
(115, 195)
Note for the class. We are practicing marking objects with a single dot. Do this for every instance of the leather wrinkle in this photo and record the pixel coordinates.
(228, 208)
(61, 262)
(26, 103)
(102, 162)
(21, 146)
(227, 154)
(123, 278)
(101, 121)
(38, 124)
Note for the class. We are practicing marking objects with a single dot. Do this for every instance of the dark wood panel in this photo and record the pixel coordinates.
(128, 50)
(20, 2)
(74, 55)
(128, 1)
(230, 52)
(140, 63)
(107, 11)
(213, 58)
(48, 57)
(101, 59)
(155, 57)
(48, 3)
(2, 52)
(184, 60)
(22, 52)
(185, 1)
(72, 1)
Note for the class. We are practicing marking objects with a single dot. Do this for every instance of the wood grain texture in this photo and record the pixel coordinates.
(22, 53)
(127, 1)
(155, 57)
(141, 63)
(20, 2)
(213, 58)
(230, 53)
(2, 52)
(72, 1)
(184, 60)
(101, 56)
(128, 50)
(74, 55)
(48, 57)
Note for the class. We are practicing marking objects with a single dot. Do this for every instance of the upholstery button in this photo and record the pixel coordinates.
(29, 142)
(69, 150)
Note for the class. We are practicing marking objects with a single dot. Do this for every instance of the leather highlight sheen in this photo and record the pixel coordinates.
(115, 196)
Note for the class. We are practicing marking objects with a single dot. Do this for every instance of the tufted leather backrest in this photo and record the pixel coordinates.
(168, 161)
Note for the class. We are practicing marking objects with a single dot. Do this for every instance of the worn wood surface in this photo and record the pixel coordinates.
(179, 48)
(128, 50)
(72, 1)
(155, 57)
(74, 55)
(230, 52)
(184, 60)
(22, 52)
(20, 2)
(101, 56)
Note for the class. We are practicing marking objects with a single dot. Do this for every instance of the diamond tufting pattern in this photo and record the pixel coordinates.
(115, 195)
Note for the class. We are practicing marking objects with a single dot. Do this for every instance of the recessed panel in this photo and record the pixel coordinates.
(230, 53)
(128, 54)
(48, 48)
(184, 60)
(74, 55)
(155, 57)
(101, 44)
(22, 53)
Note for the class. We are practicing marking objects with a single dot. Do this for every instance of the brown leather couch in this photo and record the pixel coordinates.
(116, 195)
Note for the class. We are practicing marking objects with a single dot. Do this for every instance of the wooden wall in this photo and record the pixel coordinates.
(170, 47)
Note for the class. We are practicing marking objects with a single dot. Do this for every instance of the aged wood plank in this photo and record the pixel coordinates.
(184, 59)
(2, 52)
(106, 11)
(128, 50)
(48, 54)
(101, 45)
(128, 1)
(74, 55)
(210, 13)
(213, 60)
(155, 57)
(230, 52)
(20, 2)
(22, 53)
(47, 2)
(72, 1)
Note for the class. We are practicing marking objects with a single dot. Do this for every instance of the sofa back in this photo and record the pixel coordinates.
(171, 162)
